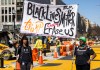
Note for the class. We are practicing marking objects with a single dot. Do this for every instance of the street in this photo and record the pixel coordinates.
(60, 63)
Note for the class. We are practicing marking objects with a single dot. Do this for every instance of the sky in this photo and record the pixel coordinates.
(90, 9)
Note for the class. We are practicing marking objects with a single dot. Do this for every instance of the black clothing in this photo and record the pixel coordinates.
(25, 54)
(25, 66)
(16, 51)
(83, 67)
(83, 55)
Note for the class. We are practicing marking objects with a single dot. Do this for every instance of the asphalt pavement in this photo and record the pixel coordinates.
(60, 63)
(68, 63)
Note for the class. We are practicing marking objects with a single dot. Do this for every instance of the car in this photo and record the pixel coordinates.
(6, 52)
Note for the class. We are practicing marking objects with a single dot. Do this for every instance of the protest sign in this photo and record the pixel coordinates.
(45, 19)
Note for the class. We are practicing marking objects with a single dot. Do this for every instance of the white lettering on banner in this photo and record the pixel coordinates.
(45, 19)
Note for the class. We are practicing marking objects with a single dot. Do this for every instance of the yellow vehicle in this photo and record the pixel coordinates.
(5, 50)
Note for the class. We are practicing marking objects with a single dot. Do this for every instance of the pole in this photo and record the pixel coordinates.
(73, 56)
(14, 24)
(1, 61)
(14, 16)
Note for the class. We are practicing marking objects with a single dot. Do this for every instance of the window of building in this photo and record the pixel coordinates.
(19, 14)
(18, 10)
(5, 18)
(6, 27)
(18, 0)
(51, 0)
(5, 2)
(11, 27)
(18, 17)
(13, 1)
(21, 0)
(21, 9)
(5, 10)
(9, 2)
(2, 18)
(9, 10)
(2, 10)
(13, 10)
(2, 2)
(9, 18)
(13, 18)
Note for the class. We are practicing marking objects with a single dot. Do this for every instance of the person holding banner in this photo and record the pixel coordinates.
(82, 54)
(25, 54)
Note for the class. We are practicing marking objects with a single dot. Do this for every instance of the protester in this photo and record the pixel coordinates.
(25, 54)
(46, 45)
(38, 45)
(83, 53)
(58, 44)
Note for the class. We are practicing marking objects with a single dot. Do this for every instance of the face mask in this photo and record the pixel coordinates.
(83, 45)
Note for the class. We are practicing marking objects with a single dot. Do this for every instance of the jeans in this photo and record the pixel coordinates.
(25, 65)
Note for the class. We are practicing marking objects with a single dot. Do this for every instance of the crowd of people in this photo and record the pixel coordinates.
(82, 51)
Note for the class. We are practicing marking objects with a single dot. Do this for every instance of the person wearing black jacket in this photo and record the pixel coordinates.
(83, 53)
(25, 54)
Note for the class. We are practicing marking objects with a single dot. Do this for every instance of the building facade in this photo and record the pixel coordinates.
(11, 12)
(7, 13)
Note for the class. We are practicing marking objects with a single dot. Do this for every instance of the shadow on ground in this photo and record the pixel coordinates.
(70, 58)
(52, 64)
(66, 58)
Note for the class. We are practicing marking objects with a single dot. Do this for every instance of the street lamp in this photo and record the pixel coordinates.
(14, 15)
